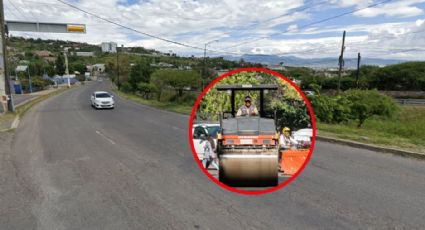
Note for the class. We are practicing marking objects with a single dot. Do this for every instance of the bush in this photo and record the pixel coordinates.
(146, 90)
(37, 83)
(80, 78)
(293, 117)
(126, 87)
(323, 107)
(178, 80)
(367, 103)
(357, 105)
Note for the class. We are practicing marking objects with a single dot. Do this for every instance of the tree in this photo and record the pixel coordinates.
(146, 89)
(367, 103)
(126, 87)
(60, 65)
(78, 66)
(158, 79)
(141, 72)
(179, 80)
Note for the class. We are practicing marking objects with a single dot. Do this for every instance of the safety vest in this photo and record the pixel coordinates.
(247, 111)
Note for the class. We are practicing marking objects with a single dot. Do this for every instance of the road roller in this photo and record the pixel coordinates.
(248, 145)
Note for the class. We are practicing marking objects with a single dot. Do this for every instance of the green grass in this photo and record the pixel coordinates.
(6, 120)
(406, 130)
(170, 106)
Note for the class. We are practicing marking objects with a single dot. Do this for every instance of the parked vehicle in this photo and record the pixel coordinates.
(309, 93)
(102, 100)
(303, 136)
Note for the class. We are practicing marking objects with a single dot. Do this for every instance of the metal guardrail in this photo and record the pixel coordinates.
(420, 102)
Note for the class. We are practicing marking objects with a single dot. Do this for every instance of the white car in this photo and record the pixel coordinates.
(199, 131)
(102, 100)
(304, 136)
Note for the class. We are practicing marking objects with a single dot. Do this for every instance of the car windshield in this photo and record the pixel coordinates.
(213, 130)
(103, 95)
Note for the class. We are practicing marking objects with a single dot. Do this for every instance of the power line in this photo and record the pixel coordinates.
(25, 17)
(129, 28)
(298, 10)
(18, 10)
(12, 11)
(313, 23)
(220, 51)
(143, 33)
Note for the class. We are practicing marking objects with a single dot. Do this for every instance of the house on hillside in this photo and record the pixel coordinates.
(84, 54)
(162, 65)
(46, 55)
(277, 67)
(96, 69)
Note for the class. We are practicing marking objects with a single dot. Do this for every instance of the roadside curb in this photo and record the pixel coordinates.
(15, 122)
(403, 153)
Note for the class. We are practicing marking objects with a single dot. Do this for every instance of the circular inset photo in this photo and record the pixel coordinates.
(252, 131)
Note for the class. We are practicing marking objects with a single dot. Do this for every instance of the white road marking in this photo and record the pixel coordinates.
(107, 138)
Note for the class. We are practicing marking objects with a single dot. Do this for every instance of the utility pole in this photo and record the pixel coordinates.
(205, 62)
(29, 79)
(66, 66)
(4, 76)
(341, 63)
(358, 70)
(118, 70)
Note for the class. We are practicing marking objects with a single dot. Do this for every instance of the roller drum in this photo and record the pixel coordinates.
(249, 169)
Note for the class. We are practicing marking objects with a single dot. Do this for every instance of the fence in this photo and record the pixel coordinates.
(420, 102)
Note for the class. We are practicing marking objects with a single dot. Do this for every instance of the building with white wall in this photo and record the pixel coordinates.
(109, 47)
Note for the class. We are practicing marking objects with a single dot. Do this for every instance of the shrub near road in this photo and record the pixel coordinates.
(368, 116)
(356, 105)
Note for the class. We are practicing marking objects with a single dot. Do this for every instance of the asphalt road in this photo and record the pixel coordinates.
(132, 168)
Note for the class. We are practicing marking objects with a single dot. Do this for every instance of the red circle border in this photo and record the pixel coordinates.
(241, 191)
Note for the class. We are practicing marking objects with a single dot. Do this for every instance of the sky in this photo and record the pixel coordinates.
(303, 28)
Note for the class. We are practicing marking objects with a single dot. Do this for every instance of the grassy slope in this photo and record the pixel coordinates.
(171, 106)
(406, 131)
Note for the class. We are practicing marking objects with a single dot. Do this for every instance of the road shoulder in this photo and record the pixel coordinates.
(15, 196)
(377, 148)
(10, 121)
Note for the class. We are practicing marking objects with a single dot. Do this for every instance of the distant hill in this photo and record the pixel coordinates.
(312, 62)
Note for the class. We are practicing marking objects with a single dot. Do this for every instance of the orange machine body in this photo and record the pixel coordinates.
(257, 140)
(292, 160)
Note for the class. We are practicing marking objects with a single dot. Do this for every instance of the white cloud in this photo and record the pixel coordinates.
(403, 8)
(230, 21)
